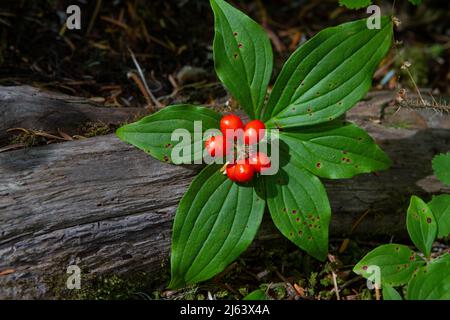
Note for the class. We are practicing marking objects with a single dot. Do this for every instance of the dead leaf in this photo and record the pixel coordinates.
(6, 272)
(65, 135)
(300, 290)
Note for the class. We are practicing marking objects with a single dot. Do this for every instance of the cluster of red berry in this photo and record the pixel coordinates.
(218, 146)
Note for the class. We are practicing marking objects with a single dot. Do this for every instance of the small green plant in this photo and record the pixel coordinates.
(218, 218)
(421, 276)
(359, 4)
(258, 294)
(441, 167)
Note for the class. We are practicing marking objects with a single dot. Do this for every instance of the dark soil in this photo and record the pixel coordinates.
(167, 36)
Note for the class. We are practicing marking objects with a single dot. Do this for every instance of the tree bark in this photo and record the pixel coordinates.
(31, 108)
(108, 208)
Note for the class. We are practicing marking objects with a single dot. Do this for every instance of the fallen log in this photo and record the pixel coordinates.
(35, 109)
(108, 207)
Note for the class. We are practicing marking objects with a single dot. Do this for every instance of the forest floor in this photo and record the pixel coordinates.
(281, 270)
(171, 42)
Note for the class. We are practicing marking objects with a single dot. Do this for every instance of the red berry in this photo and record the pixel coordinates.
(240, 172)
(252, 131)
(243, 172)
(260, 161)
(230, 122)
(231, 170)
(217, 146)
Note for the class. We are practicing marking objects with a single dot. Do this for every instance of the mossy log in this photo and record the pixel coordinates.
(35, 109)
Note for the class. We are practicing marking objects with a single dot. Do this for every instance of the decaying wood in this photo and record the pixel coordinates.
(31, 108)
(108, 207)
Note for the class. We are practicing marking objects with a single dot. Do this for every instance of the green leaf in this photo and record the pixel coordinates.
(441, 167)
(336, 150)
(415, 2)
(243, 56)
(431, 282)
(389, 293)
(440, 206)
(215, 222)
(421, 225)
(328, 74)
(153, 133)
(355, 4)
(256, 295)
(396, 262)
(299, 207)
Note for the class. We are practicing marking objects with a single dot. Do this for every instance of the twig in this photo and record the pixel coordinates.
(12, 147)
(377, 293)
(94, 16)
(346, 241)
(336, 289)
(154, 101)
(332, 260)
(133, 76)
(349, 282)
(406, 66)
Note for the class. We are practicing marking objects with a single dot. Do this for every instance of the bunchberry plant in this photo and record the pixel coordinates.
(219, 215)
(419, 276)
